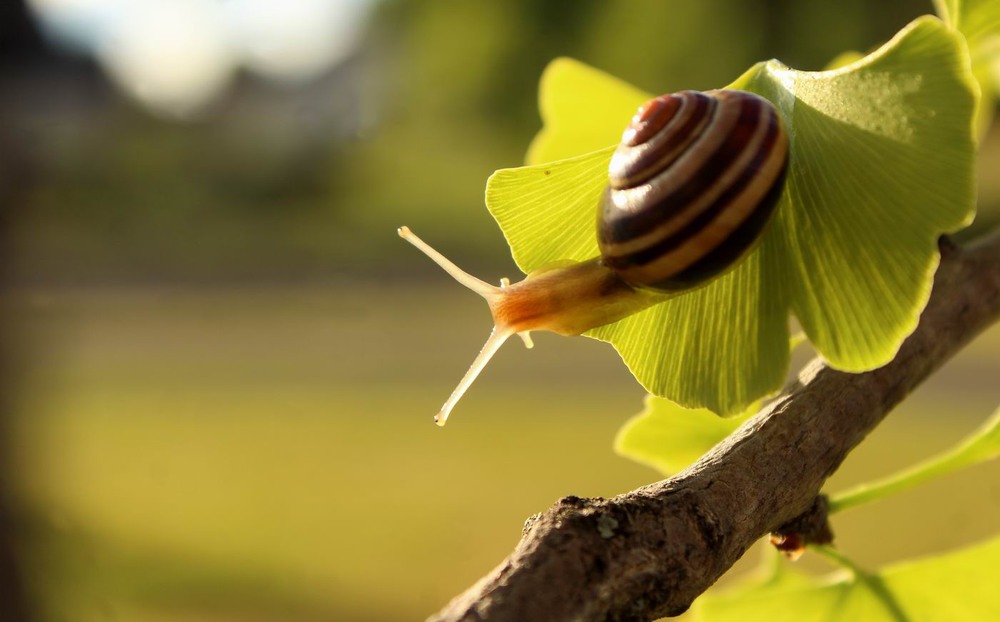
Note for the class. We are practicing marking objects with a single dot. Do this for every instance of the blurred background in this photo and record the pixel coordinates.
(220, 362)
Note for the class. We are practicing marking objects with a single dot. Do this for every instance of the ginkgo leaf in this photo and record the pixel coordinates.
(880, 165)
(581, 108)
(979, 21)
(843, 59)
(670, 438)
(958, 587)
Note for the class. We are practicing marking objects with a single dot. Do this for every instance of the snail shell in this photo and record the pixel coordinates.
(691, 187)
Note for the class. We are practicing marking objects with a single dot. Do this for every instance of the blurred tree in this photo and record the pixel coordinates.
(19, 43)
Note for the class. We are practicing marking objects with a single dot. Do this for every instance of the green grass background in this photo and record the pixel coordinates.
(267, 453)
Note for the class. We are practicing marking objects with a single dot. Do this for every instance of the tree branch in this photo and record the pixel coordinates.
(648, 553)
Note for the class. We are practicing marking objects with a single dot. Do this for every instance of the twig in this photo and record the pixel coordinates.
(648, 553)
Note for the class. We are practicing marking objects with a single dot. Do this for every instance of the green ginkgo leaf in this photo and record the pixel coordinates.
(670, 438)
(958, 587)
(580, 107)
(880, 165)
(979, 21)
(843, 60)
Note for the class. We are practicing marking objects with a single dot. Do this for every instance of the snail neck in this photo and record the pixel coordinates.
(568, 299)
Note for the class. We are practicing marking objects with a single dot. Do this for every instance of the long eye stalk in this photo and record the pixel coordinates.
(493, 295)
(493, 343)
(479, 286)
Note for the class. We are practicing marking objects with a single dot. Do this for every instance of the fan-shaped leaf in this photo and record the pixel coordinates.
(979, 21)
(670, 438)
(582, 110)
(881, 164)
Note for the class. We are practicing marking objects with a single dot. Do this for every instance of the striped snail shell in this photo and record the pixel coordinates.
(690, 189)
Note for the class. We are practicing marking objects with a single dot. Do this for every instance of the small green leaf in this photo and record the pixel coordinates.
(948, 10)
(843, 60)
(582, 110)
(979, 21)
(982, 445)
(669, 437)
(881, 164)
(958, 587)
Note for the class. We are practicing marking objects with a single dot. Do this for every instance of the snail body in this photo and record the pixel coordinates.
(691, 187)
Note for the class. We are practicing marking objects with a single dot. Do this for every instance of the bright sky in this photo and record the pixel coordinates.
(176, 56)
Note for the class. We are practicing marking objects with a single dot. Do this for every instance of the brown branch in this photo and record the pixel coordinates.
(650, 552)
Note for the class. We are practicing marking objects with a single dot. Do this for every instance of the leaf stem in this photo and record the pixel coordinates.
(872, 581)
(983, 444)
(837, 558)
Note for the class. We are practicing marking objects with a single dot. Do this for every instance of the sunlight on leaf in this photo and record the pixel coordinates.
(670, 438)
(957, 586)
(881, 164)
(982, 445)
(528, 201)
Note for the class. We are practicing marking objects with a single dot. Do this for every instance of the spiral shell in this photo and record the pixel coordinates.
(691, 187)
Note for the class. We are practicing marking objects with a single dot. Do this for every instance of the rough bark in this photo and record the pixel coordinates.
(648, 553)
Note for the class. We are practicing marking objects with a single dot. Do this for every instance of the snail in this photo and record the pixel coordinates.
(691, 187)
